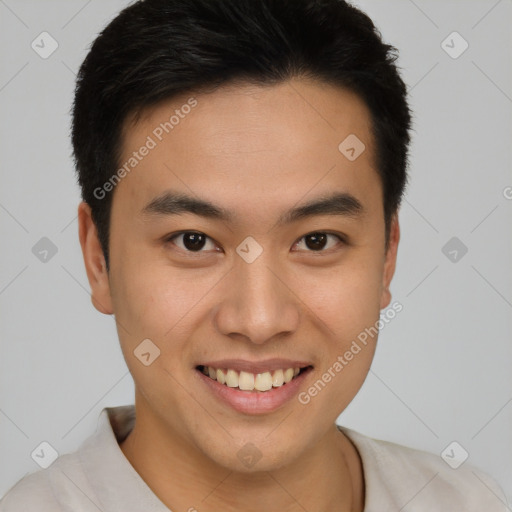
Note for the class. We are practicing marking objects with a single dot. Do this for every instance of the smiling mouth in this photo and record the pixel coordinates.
(246, 381)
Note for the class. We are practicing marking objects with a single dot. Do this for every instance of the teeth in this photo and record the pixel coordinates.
(278, 378)
(232, 379)
(221, 377)
(263, 381)
(288, 375)
(247, 381)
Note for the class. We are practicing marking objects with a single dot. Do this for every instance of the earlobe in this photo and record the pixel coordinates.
(94, 261)
(390, 261)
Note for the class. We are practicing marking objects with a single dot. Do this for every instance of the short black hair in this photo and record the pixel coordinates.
(157, 49)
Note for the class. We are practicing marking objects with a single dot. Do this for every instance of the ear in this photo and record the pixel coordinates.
(390, 261)
(94, 260)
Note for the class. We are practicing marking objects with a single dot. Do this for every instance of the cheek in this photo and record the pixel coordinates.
(150, 302)
(157, 301)
(346, 306)
(152, 305)
(346, 298)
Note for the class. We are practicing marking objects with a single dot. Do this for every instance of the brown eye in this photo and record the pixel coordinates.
(319, 241)
(192, 241)
(316, 241)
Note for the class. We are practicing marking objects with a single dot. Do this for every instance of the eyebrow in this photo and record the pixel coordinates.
(175, 203)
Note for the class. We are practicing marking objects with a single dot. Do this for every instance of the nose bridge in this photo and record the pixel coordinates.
(259, 305)
(259, 285)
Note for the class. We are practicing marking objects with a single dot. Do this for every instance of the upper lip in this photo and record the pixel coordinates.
(256, 366)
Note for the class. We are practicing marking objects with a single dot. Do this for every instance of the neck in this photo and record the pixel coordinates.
(326, 477)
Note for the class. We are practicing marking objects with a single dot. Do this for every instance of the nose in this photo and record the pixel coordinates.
(260, 304)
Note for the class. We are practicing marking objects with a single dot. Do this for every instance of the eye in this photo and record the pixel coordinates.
(192, 241)
(319, 241)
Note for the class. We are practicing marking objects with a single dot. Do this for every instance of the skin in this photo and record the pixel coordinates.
(256, 151)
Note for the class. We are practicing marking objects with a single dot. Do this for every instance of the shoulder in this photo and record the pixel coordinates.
(32, 492)
(422, 481)
(62, 486)
(96, 476)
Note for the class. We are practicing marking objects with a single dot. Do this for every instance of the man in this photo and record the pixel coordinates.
(242, 164)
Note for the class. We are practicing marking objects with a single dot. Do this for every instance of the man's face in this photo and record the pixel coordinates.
(254, 293)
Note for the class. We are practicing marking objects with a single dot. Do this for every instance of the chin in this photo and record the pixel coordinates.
(253, 456)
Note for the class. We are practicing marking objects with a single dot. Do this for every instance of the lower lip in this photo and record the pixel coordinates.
(255, 402)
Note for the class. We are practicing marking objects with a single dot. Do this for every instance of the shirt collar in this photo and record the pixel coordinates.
(118, 486)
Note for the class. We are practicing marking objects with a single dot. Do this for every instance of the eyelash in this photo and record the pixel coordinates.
(341, 240)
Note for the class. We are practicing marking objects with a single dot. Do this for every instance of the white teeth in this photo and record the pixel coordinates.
(278, 378)
(288, 375)
(263, 381)
(221, 377)
(247, 381)
(232, 379)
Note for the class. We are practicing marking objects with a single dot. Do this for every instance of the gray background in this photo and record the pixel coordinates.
(442, 368)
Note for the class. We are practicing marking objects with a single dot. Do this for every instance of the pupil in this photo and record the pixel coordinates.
(318, 241)
(193, 241)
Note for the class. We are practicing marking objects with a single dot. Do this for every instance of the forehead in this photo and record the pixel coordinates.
(244, 142)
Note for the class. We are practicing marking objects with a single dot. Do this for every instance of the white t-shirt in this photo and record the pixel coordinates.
(98, 477)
